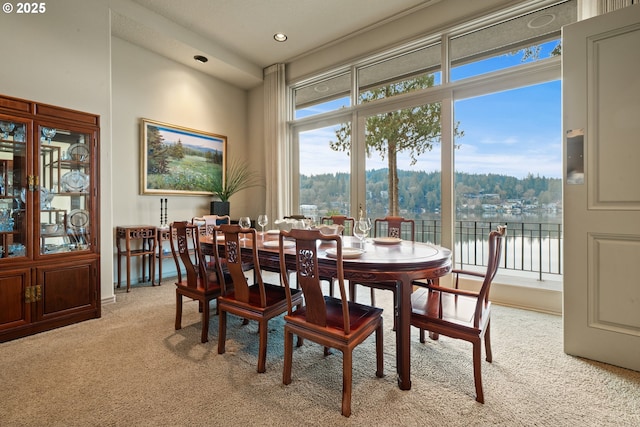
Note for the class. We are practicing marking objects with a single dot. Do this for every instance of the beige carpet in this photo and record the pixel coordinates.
(131, 368)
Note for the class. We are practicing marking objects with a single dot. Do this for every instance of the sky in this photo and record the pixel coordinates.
(510, 133)
(188, 137)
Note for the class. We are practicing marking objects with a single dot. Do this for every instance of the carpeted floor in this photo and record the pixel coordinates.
(131, 368)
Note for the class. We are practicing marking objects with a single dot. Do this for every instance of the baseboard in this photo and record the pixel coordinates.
(545, 296)
(109, 300)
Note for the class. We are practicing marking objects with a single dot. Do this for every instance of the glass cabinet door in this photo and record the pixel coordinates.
(64, 167)
(13, 187)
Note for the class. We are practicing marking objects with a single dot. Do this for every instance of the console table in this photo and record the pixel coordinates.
(145, 243)
(161, 254)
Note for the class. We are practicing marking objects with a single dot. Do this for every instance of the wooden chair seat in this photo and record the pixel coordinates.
(274, 295)
(359, 318)
(460, 313)
(457, 312)
(200, 288)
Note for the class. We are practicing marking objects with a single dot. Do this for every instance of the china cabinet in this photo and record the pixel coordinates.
(49, 217)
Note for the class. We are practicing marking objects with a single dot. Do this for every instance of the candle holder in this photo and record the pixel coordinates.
(163, 213)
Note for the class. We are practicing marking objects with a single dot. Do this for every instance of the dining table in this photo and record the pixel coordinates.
(385, 264)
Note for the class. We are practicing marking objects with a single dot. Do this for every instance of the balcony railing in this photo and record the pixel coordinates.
(528, 247)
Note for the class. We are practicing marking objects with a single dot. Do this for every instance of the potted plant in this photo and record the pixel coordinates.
(239, 176)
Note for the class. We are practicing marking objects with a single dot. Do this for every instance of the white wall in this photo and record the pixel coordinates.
(67, 57)
(146, 85)
(61, 57)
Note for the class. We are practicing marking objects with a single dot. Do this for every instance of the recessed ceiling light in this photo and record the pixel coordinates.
(280, 37)
(201, 59)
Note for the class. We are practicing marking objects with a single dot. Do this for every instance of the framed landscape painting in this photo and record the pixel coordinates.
(178, 160)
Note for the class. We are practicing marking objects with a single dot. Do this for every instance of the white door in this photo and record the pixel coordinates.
(601, 121)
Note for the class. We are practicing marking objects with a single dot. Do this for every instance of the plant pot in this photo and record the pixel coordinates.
(219, 208)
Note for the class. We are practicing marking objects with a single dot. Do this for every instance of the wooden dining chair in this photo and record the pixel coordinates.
(389, 226)
(206, 224)
(331, 322)
(196, 283)
(395, 226)
(346, 221)
(258, 301)
(459, 313)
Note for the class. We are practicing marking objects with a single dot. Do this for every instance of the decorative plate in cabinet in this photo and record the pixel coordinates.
(75, 182)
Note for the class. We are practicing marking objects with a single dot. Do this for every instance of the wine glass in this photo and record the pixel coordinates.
(46, 197)
(244, 222)
(263, 220)
(361, 230)
(366, 223)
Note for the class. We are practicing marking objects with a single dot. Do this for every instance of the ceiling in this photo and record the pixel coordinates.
(237, 35)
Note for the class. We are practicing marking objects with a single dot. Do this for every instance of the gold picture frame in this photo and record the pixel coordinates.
(179, 161)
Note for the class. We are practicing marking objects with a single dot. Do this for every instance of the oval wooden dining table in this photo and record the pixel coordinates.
(389, 266)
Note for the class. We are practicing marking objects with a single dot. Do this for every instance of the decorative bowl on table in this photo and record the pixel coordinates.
(288, 224)
(330, 229)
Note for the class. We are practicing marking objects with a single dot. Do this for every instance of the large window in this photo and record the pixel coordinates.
(325, 183)
(457, 146)
(509, 171)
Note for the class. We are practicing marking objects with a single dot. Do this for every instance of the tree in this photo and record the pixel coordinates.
(157, 152)
(177, 151)
(414, 130)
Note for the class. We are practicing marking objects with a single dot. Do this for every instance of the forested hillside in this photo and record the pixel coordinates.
(420, 191)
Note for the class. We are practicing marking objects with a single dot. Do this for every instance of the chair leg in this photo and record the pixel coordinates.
(379, 351)
(347, 376)
(422, 335)
(205, 321)
(396, 312)
(222, 331)
(487, 342)
(300, 340)
(178, 311)
(288, 357)
(373, 297)
(477, 374)
(262, 351)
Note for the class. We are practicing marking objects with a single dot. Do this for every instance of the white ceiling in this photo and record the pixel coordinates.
(237, 35)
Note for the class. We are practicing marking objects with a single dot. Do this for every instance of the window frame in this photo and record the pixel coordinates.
(447, 92)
